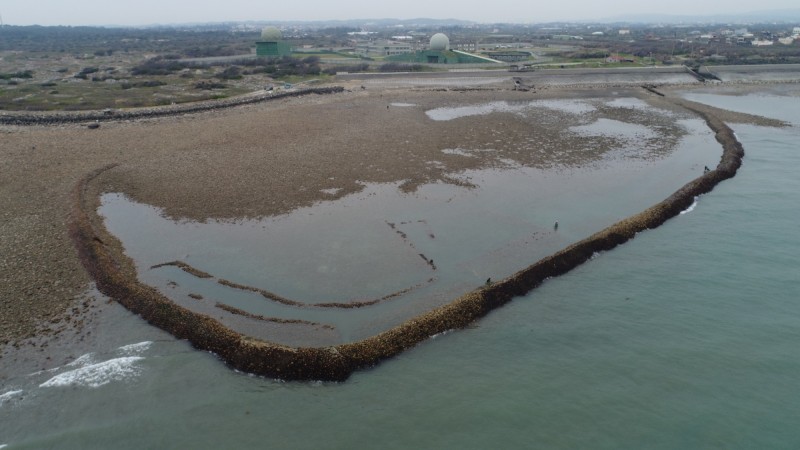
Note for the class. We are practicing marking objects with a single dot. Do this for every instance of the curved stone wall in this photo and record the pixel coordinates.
(19, 118)
(115, 276)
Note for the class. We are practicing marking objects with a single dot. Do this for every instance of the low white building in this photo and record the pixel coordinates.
(762, 42)
(786, 40)
(384, 48)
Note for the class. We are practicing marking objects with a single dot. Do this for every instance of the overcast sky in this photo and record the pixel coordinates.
(146, 12)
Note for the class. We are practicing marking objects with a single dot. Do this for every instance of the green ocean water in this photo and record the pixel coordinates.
(687, 336)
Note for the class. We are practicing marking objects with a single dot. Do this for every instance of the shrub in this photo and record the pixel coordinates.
(157, 66)
(23, 74)
(209, 85)
(148, 83)
(230, 73)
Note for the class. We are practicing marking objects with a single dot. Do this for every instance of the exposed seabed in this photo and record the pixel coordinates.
(115, 275)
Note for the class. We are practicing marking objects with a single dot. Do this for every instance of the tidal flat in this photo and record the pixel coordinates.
(273, 159)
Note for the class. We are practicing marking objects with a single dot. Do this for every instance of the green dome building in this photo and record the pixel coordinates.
(271, 44)
(439, 52)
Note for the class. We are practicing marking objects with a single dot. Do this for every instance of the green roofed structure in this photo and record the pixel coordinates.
(271, 44)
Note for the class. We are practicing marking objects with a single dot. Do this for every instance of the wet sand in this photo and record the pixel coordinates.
(250, 161)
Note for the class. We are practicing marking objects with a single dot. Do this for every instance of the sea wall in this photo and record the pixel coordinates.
(114, 273)
(114, 276)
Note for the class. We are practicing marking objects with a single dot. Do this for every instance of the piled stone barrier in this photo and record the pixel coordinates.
(115, 276)
(58, 118)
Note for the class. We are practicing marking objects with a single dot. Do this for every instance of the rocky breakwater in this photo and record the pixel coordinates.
(477, 304)
(66, 117)
(115, 275)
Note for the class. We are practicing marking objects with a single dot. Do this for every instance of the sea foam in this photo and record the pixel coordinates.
(82, 360)
(96, 375)
(8, 396)
(135, 349)
(691, 207)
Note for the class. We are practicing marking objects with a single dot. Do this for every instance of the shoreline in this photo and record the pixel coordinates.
(46, 279)
(115, 276)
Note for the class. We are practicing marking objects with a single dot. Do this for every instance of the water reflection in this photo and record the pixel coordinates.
(576, 107)
(345, 269)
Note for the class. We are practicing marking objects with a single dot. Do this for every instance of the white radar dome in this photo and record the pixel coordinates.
(271, 34)
(440, 42)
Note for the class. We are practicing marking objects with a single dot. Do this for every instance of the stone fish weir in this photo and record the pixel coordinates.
(115, 276)
(58, 118)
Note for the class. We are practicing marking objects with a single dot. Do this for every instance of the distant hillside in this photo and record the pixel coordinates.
(351, 23)
(782, 16)
(420, 22)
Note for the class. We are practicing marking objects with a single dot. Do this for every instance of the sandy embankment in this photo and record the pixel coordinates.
(250, 161)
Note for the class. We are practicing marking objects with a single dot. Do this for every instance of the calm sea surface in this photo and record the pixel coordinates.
(686, 337)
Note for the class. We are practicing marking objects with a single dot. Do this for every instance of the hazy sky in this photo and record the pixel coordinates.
(145, 12)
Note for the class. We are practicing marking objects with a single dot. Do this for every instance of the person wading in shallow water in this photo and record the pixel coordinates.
(555, 227)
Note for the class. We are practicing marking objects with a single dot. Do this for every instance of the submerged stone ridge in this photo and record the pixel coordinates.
(289, 302)
(114, 273)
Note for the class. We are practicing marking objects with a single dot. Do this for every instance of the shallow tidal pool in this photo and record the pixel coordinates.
(345, 269)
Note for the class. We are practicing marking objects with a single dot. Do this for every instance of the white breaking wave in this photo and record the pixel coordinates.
(8, 396)
(86, 371)
(135, 349)
(690, 208)
(96, 375)
(82, 360)
(437, 335)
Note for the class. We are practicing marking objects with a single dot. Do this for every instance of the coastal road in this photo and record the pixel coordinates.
(566, 76)
(577, 76)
